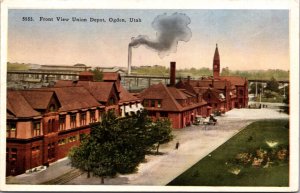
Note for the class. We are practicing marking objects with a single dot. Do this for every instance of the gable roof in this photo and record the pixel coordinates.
(169, 97)
(74, 98)
(125, 96)
(18, 106)
(160, 91)
(186, 85)
(38, 99)
(100, 90)
(176, 93)
(217, 83)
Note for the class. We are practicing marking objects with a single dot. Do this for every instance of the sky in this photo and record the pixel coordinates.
(247, 39)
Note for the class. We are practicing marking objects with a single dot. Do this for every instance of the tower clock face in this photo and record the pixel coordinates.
(216, 66)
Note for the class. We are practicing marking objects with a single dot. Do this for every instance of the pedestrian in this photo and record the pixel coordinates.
(177, 145)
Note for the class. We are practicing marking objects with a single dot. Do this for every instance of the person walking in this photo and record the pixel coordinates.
(177, 145)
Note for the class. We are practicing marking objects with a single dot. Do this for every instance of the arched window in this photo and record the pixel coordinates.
(111, 101)
(52, 108)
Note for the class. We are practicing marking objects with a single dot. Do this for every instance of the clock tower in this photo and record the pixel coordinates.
(216, 63)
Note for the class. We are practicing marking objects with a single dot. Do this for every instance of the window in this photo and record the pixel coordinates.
(36, 128)
(241, 92)
(51, 125)
(52, 108)
(72, 139)
(14, 153)
(83, 119)
(152, 103)
(62, 122)
(159, 103)
(11, 129)
(163, 114)
(92, 116)
(152, 114)
(111, 101)
(73, 120)
(61, 141)
(146, 103)
(51, 151)
(35, 150)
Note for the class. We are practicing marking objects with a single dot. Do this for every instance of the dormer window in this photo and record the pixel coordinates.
(52, 108)
(111, 101)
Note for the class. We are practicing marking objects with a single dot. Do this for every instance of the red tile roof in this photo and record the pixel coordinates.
(100, 90)
(235, 80)
(38, 99)
(125, 96)
(111, 76)
(74, 98)
(186, 85)
(218, 84)
(168, 97)
(176, 93)
(18, 106)
(86, 73)
(64, 83)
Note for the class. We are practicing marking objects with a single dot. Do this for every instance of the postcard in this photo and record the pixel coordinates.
(147, 96)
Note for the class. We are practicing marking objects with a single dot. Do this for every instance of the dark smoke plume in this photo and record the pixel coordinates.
(169, 30)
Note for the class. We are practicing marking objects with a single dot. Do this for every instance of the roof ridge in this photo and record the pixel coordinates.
(171, 96)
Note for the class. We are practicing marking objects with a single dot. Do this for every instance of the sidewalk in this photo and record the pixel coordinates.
(195, 143)
(55, 170)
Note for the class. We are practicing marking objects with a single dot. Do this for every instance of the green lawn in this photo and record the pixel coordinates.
(227, 167)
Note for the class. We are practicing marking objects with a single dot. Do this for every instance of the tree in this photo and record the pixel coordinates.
(161, 132)
(98, 74)
(79, 157)
(96, 153)
(272, 85)
(225, 71)
(118, 145)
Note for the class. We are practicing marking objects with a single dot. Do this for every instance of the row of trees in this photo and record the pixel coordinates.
(118, 145)
(204, 71)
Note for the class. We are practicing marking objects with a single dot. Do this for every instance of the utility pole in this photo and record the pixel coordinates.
(255, 89)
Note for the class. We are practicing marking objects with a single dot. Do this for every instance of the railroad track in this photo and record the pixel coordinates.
(63, 179)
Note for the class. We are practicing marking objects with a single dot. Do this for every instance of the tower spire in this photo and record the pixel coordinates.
(216, 63)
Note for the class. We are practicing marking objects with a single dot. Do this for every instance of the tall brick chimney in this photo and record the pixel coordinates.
(172, 73)
(188, 79)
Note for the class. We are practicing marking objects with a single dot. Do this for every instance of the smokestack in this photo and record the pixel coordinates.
(172, 73)
(188, 79)
(129, 59)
